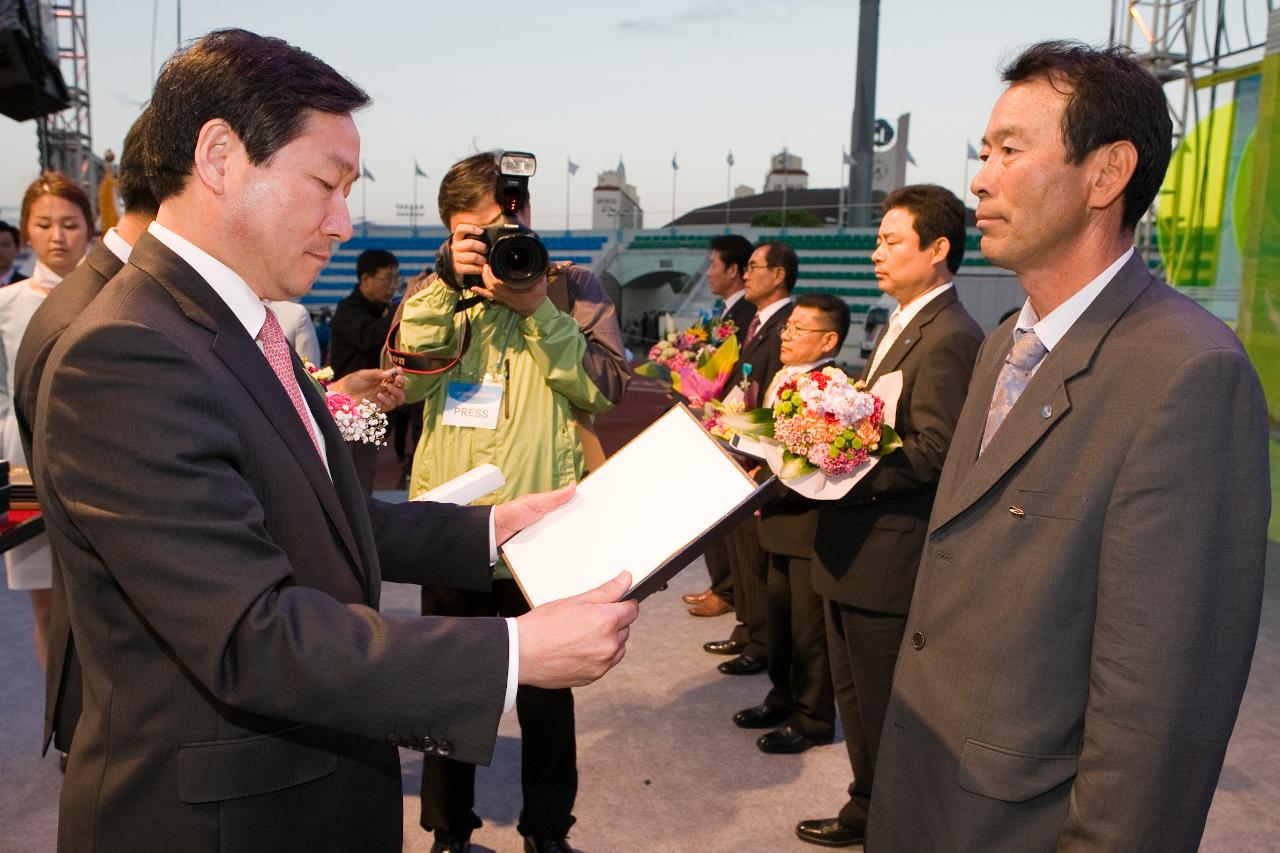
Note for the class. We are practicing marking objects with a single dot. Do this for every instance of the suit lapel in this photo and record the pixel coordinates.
(240, 353)
(103, 261)
(1045, 401)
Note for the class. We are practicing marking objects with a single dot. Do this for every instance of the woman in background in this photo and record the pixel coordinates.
(57, 222)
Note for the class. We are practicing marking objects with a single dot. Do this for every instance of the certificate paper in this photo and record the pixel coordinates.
(650, 509)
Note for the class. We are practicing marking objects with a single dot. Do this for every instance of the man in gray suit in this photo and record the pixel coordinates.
(1088, 599)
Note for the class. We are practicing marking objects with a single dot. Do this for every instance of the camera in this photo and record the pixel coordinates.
(516, 255)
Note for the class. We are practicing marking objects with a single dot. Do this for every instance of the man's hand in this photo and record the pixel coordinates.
(385, 388)
(469, 253)
(513, 516)
(523, 302)
(574, 641)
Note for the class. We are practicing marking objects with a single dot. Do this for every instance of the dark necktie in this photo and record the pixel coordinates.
(1018, 367)
(752, 328)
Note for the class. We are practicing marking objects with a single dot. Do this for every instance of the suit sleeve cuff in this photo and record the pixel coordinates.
(493, 542)
(513, 665)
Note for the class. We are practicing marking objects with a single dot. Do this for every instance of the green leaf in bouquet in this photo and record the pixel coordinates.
(653, 370)
(795, 466)
(757, 422)
(722, 361)
(889, 441)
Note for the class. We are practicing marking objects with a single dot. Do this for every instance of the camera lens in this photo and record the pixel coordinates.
(518, 259)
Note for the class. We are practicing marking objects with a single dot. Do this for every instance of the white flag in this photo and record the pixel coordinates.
(674, 165)
(573, 167)
(972, 155)
(729, 159)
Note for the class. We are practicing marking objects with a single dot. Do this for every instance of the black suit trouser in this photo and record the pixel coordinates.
(863, 645)
(548, 745)
(717, 559)
(749, 565)
(799, 667)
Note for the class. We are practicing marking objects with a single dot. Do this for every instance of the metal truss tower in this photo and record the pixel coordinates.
(1192, 46)
(66, 138)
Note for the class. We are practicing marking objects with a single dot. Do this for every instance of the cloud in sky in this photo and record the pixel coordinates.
(698, 14)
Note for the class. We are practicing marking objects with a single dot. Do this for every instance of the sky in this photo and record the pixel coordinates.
(599, 80)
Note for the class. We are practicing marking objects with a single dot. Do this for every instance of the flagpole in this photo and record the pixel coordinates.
(674, 170)
(844, 182)
(413, 211)
(728, 193)
(566, 201)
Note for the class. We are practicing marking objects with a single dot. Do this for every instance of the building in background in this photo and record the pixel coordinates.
(616, 203)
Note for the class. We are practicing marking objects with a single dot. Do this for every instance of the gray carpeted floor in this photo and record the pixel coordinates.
(662, 768)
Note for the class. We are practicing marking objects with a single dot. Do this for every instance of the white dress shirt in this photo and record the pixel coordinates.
(768, 311)
(731, 300)
(113, 241)
(298, 329)
(1051, 329)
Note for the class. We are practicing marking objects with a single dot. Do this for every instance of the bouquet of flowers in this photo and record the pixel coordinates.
(825, 431)
(695, 362)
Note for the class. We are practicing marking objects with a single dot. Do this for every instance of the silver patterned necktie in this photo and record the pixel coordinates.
(886, 343)
(1019, 365)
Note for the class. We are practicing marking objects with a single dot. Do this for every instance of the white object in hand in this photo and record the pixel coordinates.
(465, 488)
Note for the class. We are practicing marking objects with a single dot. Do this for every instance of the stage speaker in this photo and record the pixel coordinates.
(31, 83)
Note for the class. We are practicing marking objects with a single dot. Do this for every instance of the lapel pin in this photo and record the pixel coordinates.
(1047, 411)
(1017, 510)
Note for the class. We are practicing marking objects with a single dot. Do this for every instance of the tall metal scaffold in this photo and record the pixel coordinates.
(65, 138)
(1192, 47)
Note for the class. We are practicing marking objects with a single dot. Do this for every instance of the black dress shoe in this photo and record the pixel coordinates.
(760, 717)
(742, 665)
(829, 832)
(541, 844)
(787, 741)
(725, 647)
(451, 847)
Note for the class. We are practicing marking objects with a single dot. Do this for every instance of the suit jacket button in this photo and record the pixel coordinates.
(444, 748)
(1047, 411)
(428, 744)
(917, 641)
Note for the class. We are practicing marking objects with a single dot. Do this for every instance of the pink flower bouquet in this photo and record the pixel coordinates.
(696, 362)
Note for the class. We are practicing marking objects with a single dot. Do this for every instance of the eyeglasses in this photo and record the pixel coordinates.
(387, 277)
(790, 331)
(758, 267)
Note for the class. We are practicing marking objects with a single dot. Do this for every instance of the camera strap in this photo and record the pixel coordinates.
(419, 364)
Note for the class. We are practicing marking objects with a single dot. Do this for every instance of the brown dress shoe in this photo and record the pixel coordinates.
(696, 597)
(712, 605)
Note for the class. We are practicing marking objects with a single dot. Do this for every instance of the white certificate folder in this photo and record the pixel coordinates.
(651, 509)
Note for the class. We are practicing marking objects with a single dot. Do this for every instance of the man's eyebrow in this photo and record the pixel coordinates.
(340, 162)
(1000, 133)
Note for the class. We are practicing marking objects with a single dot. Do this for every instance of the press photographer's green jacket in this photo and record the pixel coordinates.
(557, 362)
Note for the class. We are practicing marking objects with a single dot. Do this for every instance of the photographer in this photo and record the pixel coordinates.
(523, 366)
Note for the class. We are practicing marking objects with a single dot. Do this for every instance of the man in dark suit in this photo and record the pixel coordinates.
(868, 543)
(222, 568)
(771, 276)
(1089, 595)
(63, 304)
(800, 700)
(10, 239)
(726, 265)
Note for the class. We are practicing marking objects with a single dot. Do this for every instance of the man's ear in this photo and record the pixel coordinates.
(1113, 166)
(938, 253)
(214, 147)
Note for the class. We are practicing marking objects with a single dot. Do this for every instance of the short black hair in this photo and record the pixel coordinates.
(6, 228)
(835, 309)
(936, 213)
(779, 254)
(135, 189)
(373, 260)
(1110, 97)
(262, 87)
(469, 183)
(734, 251)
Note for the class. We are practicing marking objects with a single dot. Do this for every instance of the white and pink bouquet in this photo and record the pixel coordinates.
(825, 431)
(361, 422)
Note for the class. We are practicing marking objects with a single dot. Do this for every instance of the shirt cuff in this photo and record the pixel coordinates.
(493, 541)
(513, 665)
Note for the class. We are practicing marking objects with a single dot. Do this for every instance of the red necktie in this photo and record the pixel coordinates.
(276, 349)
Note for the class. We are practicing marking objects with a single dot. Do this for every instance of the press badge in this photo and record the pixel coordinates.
(473, 404)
